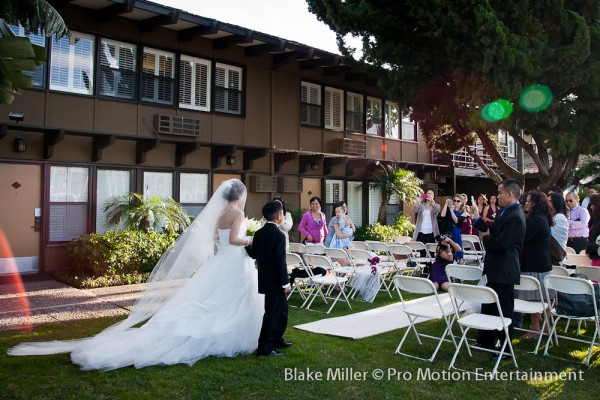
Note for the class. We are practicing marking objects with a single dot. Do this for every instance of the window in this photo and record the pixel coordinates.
(158, 76)
(409, 128)
(334, 192)
(193, 192)
(310, 104)
(228, 89)
(334, 105)
(373, 121)
(354, 201)
(194, 83)
(72, 63)
(37, 39)
(110, 183)
(392, 120)
(117, 69)
(506, 144)
(68, 203)
(354, 113)
(159, 184)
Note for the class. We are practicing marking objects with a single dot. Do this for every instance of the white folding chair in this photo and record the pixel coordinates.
(590, 271)
(329, 282)
(413, 284)
(337, 254)
(297, 248)
(531, 284)
(462, 272)
(403, 255)
(470, 252)
(431, 248)
(560, 271)
(419, 248)
(360, 260)
(577, 259)
(573, 286)
(382, 250)
(315, 248)
(460, 293)
(402, 239)
(475, 239)
(357, 244)
(570, 250)
(294, 260)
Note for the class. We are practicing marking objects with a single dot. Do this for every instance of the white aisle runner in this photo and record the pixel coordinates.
(372, 322)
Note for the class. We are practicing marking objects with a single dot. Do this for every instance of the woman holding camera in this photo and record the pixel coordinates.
(454, 211)
(427, 211)
(443, 256)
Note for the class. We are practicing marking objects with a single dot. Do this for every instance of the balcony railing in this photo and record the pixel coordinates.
(462, 159)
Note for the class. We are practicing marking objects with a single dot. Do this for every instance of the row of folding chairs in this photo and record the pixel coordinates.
(461, 294)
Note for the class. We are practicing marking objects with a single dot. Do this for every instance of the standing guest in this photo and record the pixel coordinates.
(578, 223)
(467, 226)
(557, 190)
(592, 247)
(343, 233)
(535, 258)
(560, 228)
(313, 224)
(333, 221)
(443, 257)
(453, 211)
(503, 242)
(427, 210)
(586, 201)
(490, 211)
(268, 248)
(285, 225)
(481, 204)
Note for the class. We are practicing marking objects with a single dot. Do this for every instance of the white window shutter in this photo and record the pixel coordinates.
(374, 204)
(334, 190)
(354, 202)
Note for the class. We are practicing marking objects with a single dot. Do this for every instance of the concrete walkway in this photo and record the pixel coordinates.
(51, 302)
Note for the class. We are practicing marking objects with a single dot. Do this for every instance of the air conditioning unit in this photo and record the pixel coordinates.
(175, 125)
(262, 183)
(289, 184)
(353, 147)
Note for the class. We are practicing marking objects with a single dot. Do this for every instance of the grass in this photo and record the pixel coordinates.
(249, 377)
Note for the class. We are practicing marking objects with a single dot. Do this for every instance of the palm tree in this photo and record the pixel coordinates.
(391, 179)
(137, 212)
(18, 54)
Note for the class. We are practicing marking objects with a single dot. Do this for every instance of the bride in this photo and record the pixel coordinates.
(196, 303)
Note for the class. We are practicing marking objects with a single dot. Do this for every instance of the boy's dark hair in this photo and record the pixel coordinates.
(271, 209)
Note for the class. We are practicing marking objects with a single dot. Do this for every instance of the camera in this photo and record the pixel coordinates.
(441, 238)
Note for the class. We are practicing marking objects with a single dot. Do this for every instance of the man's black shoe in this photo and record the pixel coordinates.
(271, 354)
(504, 357)
(283, 344)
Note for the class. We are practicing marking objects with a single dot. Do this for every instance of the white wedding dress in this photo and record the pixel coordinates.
(216, 312)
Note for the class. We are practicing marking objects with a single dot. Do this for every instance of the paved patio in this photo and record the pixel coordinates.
(51, 302)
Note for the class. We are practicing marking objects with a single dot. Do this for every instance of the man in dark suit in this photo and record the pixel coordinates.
(268, 248)
(503, 242)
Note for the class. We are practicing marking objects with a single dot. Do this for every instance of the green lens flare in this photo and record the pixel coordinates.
(535, 98)
(497, 110)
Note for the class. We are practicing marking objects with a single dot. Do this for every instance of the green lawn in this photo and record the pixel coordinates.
(249, 377)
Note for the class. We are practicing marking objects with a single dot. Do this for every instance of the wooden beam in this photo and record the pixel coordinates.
(282, 158)
(252, 51)
(306, 161)
(224, 42)
(251, 155)
(151, 24)
(333, 61)
(99, 143)
(182, 150)
(114, 10)
(218, 152)
(331, 162)
(3, 130)
(190, 33)
(142, 147)
(50, 140)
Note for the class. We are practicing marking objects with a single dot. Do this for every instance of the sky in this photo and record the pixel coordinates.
(287, 19)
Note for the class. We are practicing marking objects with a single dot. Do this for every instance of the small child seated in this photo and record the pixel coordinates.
(443, 257)
(345, 231)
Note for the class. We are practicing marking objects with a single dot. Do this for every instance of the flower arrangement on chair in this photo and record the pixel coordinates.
(252, 225)
(374, 261)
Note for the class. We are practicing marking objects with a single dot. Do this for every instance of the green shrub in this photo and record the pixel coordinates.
(117, 253)
(385, 233)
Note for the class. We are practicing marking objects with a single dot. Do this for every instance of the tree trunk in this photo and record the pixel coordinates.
(382, 210)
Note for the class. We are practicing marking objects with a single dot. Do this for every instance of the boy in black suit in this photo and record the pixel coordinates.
(268, 248)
